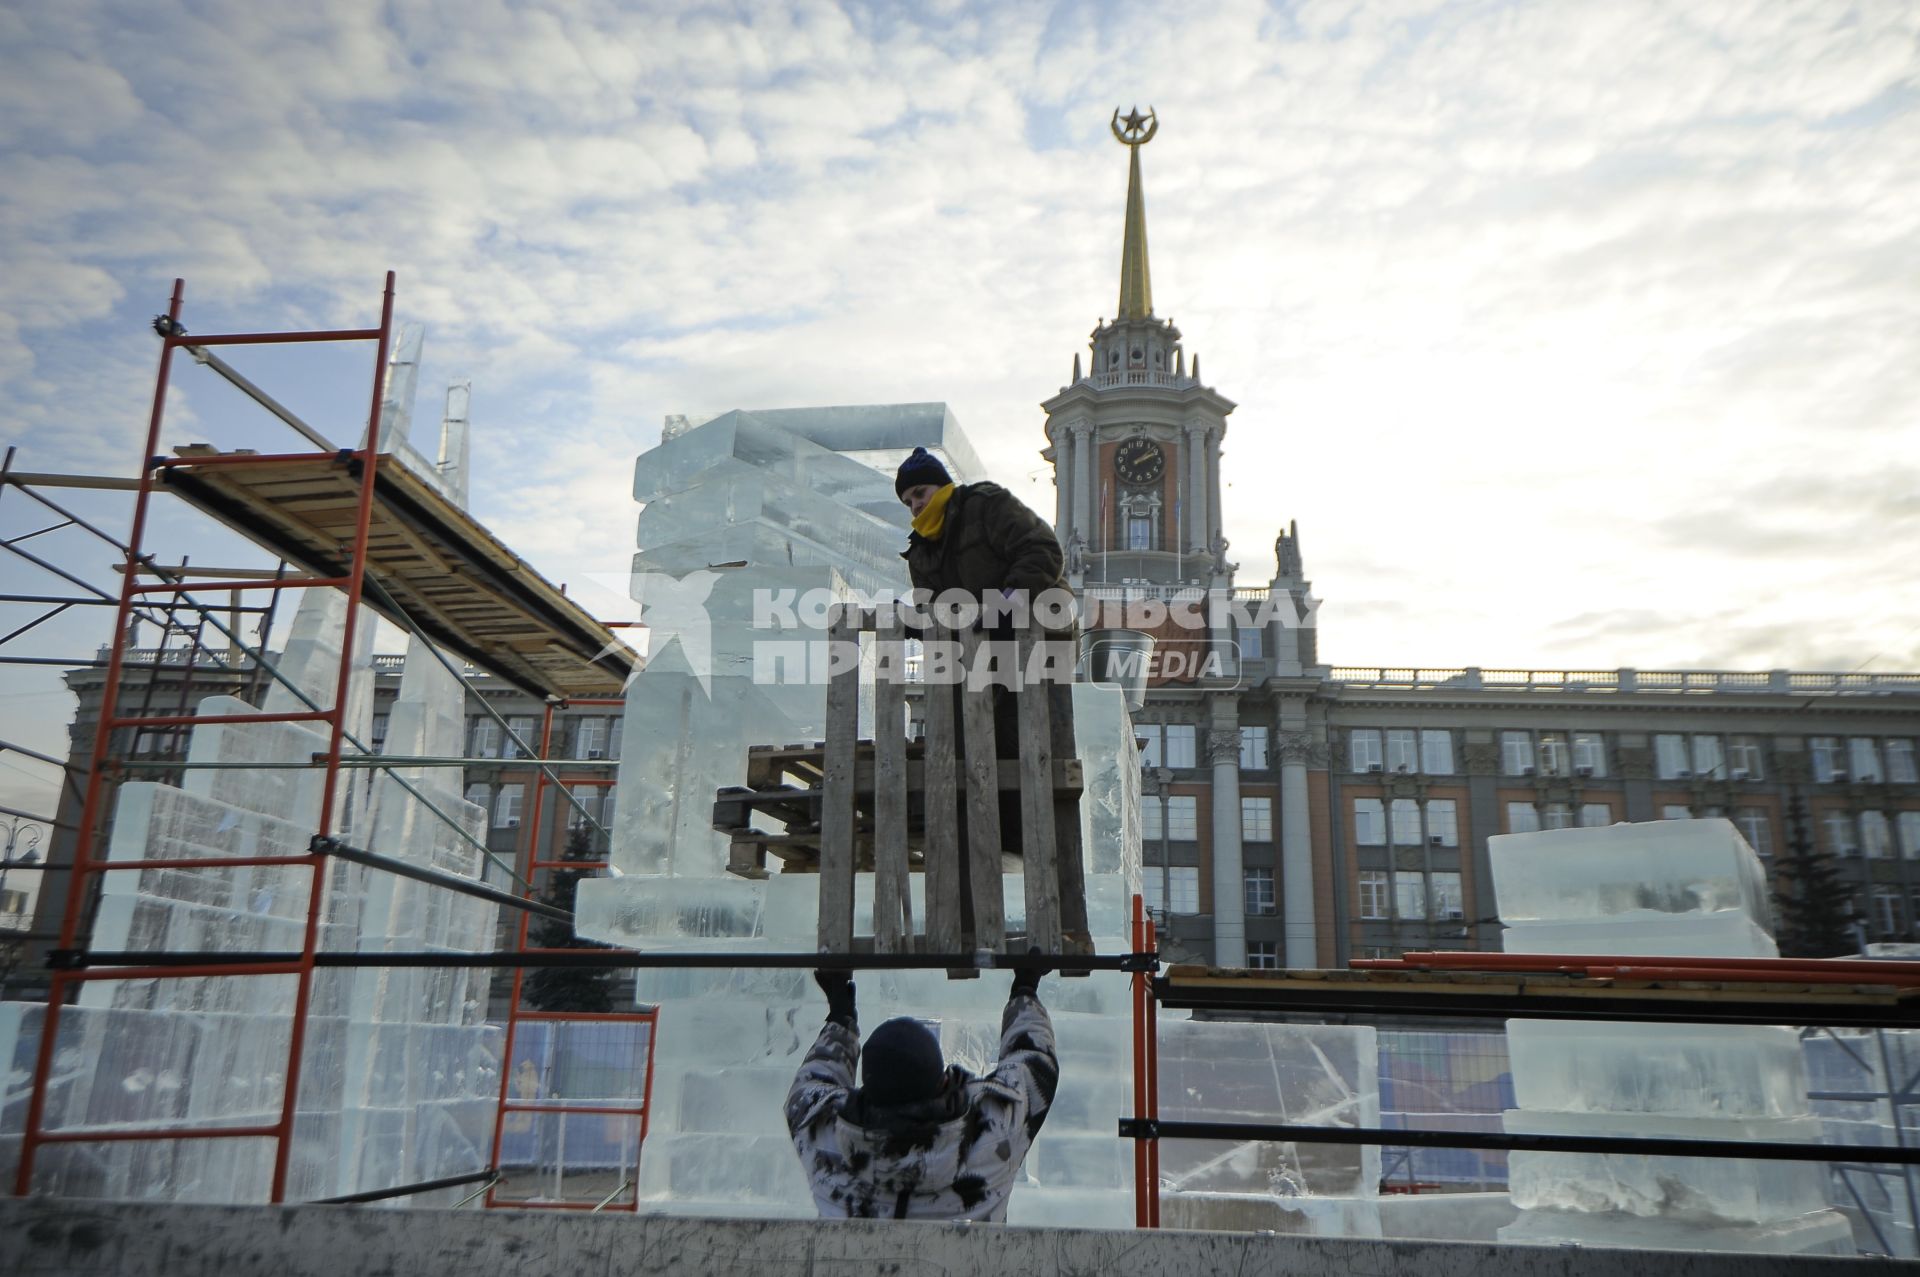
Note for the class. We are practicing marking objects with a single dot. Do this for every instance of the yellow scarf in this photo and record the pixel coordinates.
(932, 519)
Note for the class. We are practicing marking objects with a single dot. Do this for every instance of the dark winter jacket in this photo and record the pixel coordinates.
(992, 541)
(952, 1157)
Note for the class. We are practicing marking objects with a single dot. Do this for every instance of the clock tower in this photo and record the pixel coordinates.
(1135, 438)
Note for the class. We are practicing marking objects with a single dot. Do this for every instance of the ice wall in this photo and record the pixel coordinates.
(1683, 888)
(399, 1078)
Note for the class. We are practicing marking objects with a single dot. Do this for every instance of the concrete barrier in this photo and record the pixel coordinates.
(50, 1237)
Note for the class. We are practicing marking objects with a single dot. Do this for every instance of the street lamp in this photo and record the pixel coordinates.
(18, 831)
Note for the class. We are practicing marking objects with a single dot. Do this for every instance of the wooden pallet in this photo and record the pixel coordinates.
(892, 806)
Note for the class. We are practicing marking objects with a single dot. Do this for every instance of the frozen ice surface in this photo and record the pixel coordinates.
(1729, 934)
(1823, 1232)
(1709, 1189)
(1585, 1066)
(1628, 873)
(1450, 1217)
(1254, 1213)
(834, 529)
(1223, 1071)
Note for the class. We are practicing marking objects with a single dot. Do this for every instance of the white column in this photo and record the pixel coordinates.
(1086, 461)
(1212, 454)
(1296, 849)
(1195, 457)
(1229, 866)
(1062, 482)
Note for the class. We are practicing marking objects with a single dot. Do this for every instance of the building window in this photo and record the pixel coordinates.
(1183, 888)
(1260, 892)
(1252, 644)
(578, 817)
(1841, 837)
(1253, 749)
(1555, 759)
(1263, 955)
(606, 806)
(1676, 811)
(1183, 818)
(1180, 746)
(1168, 745)
(480, 796)
(1436, 752)
(506, 807)
(1447, 900)
(1886, 910)
(520, 726)
(1363, 750)
(1670, 760)
(1369, 823)
(1556, 816)
(1863, 758)
(1409, 896)
(1707, 759)
(1908, 825)
(614, 726)
(1900, 762)
(590, 738)
(1757, 828)
(1523, 818)
(1595, 815)
(1876, 839)
(1256, 819)
(1743, 758)
(1373, 893)
(1139, 532)
(483, 738)
(1402, 750)
(1589, 754)
(1826, 757)
(1406, 822)
(1443, 822)
(1516, 753)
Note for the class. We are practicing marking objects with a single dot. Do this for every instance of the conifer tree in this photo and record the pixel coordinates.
(568, 988)
(1814, 903)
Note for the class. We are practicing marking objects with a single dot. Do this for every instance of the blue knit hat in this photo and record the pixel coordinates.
(921, 467)
(900, 1062)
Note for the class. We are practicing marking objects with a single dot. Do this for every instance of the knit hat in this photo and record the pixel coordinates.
(921, 467)
(901, 1063)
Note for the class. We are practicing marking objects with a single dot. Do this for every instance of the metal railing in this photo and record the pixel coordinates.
(1688, 682)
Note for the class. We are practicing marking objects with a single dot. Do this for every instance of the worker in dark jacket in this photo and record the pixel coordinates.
(974, 537)
(920, 1139)
(980, 539)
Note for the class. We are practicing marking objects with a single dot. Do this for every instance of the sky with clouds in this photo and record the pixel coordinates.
(1572, 334)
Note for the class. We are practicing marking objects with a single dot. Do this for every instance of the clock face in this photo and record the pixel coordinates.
(1139, 461)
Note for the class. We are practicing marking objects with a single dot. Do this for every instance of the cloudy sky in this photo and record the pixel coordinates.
(1572, 333)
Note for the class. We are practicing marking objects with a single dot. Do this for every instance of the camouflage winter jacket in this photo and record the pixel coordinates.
(952, 1157)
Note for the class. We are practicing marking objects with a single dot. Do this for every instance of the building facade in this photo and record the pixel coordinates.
(1301, 813)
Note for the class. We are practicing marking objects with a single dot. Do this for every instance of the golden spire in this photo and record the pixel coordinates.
(1136, 285)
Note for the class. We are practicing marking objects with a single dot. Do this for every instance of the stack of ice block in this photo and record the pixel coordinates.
(730, 1040)
(1682, 888)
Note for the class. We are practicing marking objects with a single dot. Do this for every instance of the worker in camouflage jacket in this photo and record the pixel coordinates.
(919, 1139)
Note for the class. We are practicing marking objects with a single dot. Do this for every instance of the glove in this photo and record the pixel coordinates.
(838, 986)
(1027, 979)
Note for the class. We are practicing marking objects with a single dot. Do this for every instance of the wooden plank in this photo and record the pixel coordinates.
(836, 815)
(983, 807)
(942, 816)
(892, 899)
(1075, 935)
(1041, 874)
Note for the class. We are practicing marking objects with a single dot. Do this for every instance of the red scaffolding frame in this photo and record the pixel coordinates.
(532, 868)
(34, 1136)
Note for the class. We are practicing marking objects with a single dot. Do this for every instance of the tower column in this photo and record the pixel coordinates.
(1063, 484)
(1211, 453)
(1194, 462)
(1295, 747)
(1084, 463)
(1229, 864)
